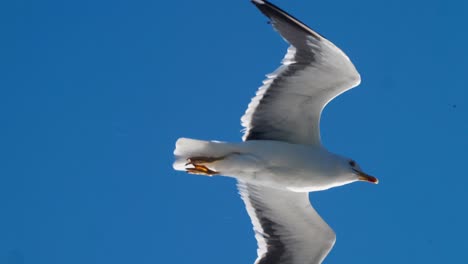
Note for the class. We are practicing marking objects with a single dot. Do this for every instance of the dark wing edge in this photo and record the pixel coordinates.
(287, 228)
(288, 105)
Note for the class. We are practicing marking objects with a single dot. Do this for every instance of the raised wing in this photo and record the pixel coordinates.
(287, 228)
(314, 71)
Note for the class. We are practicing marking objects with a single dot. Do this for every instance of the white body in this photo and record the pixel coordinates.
(276, 164)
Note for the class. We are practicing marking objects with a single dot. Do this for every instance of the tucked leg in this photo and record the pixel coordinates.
(199, 165)
(243, 166)
(201, 170)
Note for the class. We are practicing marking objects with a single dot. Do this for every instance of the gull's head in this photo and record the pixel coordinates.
(355, 171)
(339, 171)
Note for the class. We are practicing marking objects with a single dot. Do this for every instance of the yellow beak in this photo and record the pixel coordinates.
(365, 177)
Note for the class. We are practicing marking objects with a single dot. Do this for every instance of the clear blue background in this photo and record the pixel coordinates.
(93, 95)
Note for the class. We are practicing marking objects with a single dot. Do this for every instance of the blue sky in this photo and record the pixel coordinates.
(93, 95)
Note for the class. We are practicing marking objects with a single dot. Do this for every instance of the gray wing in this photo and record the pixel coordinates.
(314, 71)
(287, 228)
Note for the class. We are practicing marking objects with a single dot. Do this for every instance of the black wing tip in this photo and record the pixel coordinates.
(267, 8)
(258, 2)
(273, 12)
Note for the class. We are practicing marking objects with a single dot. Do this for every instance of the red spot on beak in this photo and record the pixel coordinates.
(367, 178)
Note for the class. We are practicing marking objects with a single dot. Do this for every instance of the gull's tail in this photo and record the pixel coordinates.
(187, 148)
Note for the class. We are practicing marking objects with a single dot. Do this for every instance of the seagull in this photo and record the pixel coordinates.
(281, 158)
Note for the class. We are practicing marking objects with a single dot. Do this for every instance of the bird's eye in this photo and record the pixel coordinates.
(352, 163)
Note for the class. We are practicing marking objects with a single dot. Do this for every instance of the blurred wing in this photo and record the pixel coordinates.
(287, 228)
(314, 71)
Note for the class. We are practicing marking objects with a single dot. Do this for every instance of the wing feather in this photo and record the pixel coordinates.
(287, 228)
(288, 105)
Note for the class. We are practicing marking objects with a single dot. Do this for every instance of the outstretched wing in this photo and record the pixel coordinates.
(314, 71)
(287, 228)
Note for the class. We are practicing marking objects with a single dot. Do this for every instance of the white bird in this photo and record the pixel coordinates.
(282, 159)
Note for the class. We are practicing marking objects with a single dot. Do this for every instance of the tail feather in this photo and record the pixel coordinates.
(186, 147)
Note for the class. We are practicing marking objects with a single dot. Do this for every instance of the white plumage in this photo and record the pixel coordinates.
(282, 159)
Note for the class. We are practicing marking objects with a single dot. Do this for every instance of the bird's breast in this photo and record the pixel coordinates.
(300, 168)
